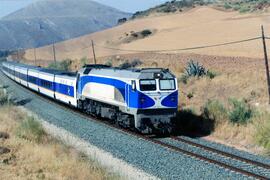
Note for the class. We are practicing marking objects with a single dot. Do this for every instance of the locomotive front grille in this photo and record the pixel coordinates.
(157, 111)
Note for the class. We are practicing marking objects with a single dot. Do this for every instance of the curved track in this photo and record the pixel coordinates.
(223, 153)
(211, 160)
(173, 147)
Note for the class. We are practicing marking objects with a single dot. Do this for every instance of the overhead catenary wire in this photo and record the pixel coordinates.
(182, 49)
(160, 50)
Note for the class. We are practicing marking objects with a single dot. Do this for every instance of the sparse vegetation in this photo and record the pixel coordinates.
(178, 6)
(109, 63)
(171, 7)
(62, 65)
(4, 97)
(262, 136)
(194, 69)
(211, 74)
(122, 20)
(146, 32)
(83, 61)
(244, 6)
(33, 154)
(244, 9)
(190, 95)
(30, 129)
(240, 113)
(132, 36)
(183, 79)
(132, 64)
(215, 111)
(227, 5)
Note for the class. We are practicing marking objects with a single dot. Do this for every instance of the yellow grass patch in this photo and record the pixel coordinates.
(46, 160)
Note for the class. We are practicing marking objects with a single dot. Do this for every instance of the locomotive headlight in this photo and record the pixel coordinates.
(142, 100)
(173, 99)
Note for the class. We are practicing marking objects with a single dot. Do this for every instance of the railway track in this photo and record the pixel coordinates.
(223, 153)
(213, 161)
(169, 146)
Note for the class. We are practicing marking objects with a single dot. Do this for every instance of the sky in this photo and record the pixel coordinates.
(9, 6)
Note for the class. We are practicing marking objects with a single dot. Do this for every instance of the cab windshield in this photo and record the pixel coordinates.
(167, 84)
(148, 85)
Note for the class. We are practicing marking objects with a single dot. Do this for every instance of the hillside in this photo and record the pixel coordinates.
(48, 21)
(196, 27)
(242, 6)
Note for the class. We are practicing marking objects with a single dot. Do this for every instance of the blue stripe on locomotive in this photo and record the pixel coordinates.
(171, 100)
(135, 97)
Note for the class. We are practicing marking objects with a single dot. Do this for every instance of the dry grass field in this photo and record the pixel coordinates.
(35, 155)
(196, 27)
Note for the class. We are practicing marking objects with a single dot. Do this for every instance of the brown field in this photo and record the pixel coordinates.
(199, 26)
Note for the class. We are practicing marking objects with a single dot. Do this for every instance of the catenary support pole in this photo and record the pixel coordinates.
(266, 63)
(35, 55)
(54, 56)
(94, 53)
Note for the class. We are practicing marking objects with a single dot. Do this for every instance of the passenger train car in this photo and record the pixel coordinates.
(144, 99)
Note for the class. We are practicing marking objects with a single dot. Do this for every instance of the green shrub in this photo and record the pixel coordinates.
(195, 69)
(4, 97)
(240, 113)
(134, 34)
(236, 7)
(262, 136)
(83, 61)
(30, 129)
(211, 74)
(146, 32)
(190, 95)
(109, 63)
(227, 6)
(215, 111)
(244, 9)
(132, 64)
(183, 79)
(62, 65)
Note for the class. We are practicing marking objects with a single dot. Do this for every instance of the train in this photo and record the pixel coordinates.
(145, 100)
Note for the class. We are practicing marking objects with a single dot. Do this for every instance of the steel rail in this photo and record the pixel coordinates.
(223, 153)
(212, 161)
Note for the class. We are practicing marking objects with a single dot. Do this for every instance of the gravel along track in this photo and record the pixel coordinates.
(155, 159)
(233, 162)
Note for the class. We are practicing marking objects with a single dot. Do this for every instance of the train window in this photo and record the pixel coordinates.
(167, 84)
(148, 85)
(46, 84)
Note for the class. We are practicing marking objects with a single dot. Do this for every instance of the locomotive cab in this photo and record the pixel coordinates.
(159, 101)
